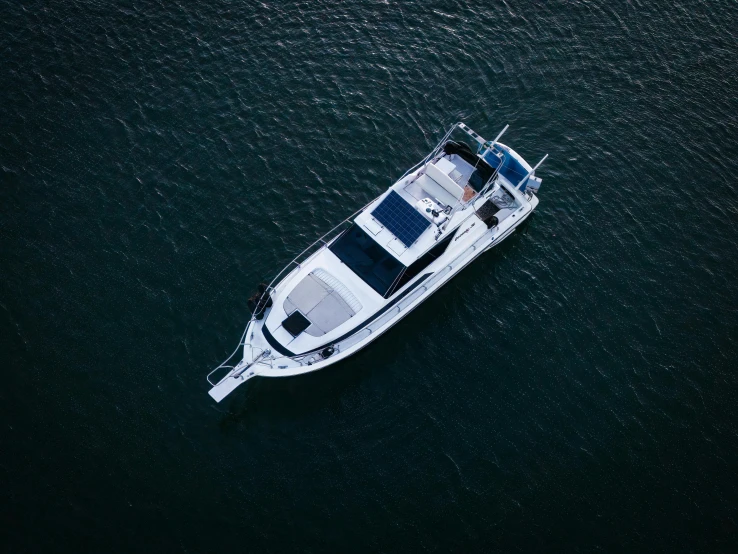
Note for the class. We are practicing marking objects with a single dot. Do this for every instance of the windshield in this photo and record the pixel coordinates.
(376, 267)
(467, 149)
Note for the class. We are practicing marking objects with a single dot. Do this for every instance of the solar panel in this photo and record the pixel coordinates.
(400, 218)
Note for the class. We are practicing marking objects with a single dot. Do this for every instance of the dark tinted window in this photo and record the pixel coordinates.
(378, 268)
(424, 261)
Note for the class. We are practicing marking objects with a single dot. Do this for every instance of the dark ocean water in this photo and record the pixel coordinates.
(573, 390)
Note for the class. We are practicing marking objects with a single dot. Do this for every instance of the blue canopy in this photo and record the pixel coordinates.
(510, 168)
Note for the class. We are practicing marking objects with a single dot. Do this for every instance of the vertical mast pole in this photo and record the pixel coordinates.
(531, 172)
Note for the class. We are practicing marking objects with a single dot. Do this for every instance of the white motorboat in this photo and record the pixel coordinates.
(361, 278)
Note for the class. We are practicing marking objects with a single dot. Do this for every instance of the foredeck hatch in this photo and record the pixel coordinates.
(400, 218)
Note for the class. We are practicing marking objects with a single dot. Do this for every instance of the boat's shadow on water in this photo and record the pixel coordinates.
(293, 398)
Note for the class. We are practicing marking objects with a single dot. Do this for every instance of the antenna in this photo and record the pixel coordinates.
(500, 135)
(532, 171)
(543, 159)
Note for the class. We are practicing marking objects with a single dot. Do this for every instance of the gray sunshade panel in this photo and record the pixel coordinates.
(330, 313)
(323, 306)
(307, 294)
(314, 331)
(288, 306)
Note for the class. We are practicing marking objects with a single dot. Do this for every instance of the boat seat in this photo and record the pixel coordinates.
(439, 172)
(434, 190)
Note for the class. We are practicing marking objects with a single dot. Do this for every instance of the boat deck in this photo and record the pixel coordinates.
(449, 188)
(379, 264)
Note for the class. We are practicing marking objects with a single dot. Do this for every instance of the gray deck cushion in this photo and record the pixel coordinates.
(307, 294)
(288, 306)
(333, 284)
(325, 301)
(329, 313)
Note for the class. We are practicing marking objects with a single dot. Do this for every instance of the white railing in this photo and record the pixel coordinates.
(433, 152)
(410, 300)
(298, 260)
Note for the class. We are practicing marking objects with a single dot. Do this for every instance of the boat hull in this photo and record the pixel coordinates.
(373, 328)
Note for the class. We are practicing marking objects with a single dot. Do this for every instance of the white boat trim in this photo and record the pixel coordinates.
(330, 303)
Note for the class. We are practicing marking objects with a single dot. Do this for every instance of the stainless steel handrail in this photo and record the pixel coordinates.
(433, 152)
(270, 287)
